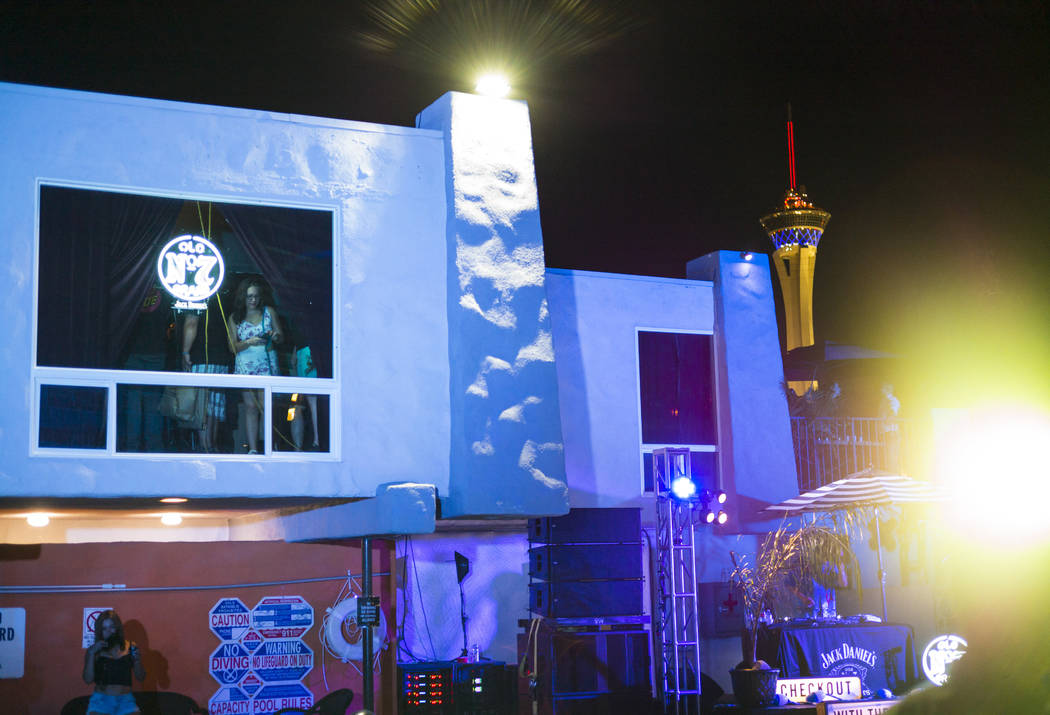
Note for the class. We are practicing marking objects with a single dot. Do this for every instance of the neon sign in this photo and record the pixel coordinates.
(939, 654)
(191, 269)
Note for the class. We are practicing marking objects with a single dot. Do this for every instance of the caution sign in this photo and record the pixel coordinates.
(272, 698)
(229, 619)
(282, 616)
(229, 701)
(280, 660)
(229, 663)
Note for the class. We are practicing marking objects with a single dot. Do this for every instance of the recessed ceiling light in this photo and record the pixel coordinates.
(171, 519)
(174, 500)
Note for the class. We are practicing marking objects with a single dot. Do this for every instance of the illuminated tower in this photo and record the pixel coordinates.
(795, 229)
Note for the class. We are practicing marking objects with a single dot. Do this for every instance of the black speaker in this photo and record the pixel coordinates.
(589, 526)
(589, 668)
(578, 599)
(580, 562)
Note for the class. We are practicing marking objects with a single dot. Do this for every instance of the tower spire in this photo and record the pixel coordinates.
(791, 150)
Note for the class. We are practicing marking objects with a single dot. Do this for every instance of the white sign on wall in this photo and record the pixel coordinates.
(191, 269)
(88, 624)
(12, 642)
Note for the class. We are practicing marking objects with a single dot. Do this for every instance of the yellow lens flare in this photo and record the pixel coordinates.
(493, 84)
(992, 460)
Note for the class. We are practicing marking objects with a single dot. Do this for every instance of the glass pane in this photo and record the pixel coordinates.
(677, 388)
(73, 417)
(704, 467)
(186, 419)
(127, 281)
(300, 423)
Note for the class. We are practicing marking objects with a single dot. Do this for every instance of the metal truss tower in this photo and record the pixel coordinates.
(678, 607)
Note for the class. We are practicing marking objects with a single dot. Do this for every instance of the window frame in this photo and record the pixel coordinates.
(645, 448)
(110, 378)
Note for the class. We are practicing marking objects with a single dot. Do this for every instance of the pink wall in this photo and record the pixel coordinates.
(171, 627)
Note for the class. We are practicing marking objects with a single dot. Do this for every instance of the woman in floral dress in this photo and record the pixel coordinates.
(256, 329)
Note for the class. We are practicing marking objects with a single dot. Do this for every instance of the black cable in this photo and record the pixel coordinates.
(402, 646)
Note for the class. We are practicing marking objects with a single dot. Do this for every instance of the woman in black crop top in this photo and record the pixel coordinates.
(109, 664)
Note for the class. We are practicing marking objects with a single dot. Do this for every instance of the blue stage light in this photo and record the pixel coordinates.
(683, 488)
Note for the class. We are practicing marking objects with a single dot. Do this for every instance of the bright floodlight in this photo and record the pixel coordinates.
(720, 496)
(683, 488)
(492, 85)
(171, 519)
(1000, 449)
(38, 519)
(707, 516)
(722, 517)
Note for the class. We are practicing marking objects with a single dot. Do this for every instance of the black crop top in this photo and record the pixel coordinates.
(113, 671)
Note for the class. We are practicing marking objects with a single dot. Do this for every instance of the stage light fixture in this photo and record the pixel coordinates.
(747, 255)
(683, 488)
(707, 516)
(722, 517)
(720, 496)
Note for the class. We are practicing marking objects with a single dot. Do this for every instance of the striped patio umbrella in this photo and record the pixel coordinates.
(867, 488)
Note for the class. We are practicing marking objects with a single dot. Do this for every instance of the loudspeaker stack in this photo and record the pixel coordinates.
(591, 648)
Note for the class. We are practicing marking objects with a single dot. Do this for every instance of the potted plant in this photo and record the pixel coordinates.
(788, 560)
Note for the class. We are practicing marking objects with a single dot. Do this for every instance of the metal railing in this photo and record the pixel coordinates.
(830, 448)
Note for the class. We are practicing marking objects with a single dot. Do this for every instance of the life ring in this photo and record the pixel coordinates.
(333, 631)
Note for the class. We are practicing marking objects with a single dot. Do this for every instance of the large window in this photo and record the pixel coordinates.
(213, 375)
(676, 381)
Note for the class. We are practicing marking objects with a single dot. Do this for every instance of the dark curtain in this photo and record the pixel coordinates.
(97, 261)
(293, 250)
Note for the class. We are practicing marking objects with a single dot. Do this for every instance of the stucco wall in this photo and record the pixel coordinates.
(596, 318)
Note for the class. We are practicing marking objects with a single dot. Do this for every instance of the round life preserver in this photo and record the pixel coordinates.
(333, 631)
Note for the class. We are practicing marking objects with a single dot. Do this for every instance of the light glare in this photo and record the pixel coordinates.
(38, 519)
(986, 451)
(492, 85)
(171, 519)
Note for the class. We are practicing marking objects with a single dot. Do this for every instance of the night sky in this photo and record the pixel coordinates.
(659, 134)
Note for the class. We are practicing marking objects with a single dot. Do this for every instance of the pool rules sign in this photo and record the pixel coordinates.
(261, 659)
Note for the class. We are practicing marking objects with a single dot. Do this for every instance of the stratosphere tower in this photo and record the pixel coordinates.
(795, 230)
